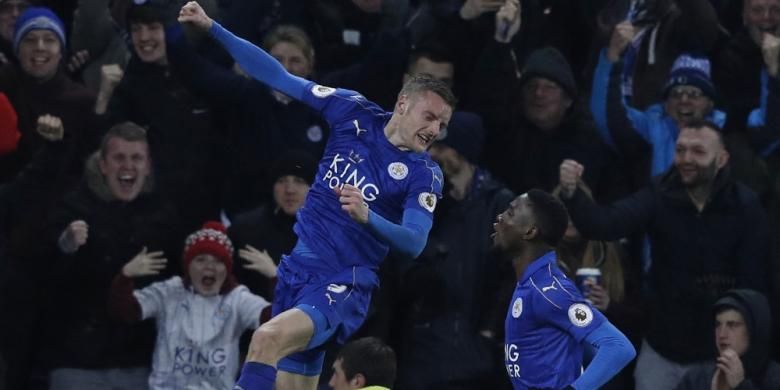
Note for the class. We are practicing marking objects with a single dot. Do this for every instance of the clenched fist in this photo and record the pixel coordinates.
(194, 14)
(770, 47)
(570, 174)
(50, 128)
(73, 237)
(352, 202)
(621, 37)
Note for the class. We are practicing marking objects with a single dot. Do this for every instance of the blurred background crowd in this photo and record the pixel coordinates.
(122, 132)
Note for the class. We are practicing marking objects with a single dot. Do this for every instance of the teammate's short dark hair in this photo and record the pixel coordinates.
(424, 82)
(550, 214)
(370, 357)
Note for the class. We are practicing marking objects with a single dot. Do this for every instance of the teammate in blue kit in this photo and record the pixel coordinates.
(375, 190)
(548, 322)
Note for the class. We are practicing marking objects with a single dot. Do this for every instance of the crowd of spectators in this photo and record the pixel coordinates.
(122, 132)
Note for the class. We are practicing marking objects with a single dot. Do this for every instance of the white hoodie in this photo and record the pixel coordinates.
(197, 336)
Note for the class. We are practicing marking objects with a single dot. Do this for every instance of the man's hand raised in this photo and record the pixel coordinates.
(193, 14)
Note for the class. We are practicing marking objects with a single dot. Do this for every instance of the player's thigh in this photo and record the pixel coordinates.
(290, 332)
(289, 381)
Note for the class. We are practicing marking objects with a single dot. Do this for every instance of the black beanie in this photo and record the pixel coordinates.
(550, 64)
(294, 163)
(465, 134)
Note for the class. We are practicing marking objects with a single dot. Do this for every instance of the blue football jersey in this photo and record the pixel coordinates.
(359, 153)
(545, 326)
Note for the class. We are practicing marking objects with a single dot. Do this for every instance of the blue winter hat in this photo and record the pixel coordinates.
(691, 70)
(38, 18)
(465, 134)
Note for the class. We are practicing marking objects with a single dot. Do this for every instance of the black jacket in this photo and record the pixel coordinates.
(80, 332)
(184, 134)
(736, 73)
(265, 229)
(259, 129)
(453, 291)
(696, 256)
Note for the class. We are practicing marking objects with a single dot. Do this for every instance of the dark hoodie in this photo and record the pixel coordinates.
(760, 372)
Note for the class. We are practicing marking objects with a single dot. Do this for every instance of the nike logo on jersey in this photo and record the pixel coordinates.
(550, 287)
(357, 128)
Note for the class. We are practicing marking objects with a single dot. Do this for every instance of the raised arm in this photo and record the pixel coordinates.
(764, 122)
(255, 61)
(621, 126)
(215, 83)
(123, 304)
(605, 223)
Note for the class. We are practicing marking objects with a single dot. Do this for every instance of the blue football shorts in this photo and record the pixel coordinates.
(337, 303)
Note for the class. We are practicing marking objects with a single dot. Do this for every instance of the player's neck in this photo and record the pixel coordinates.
(393, 134)
(527, 255)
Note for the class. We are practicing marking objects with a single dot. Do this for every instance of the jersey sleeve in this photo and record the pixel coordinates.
(337, 105)
(152, 298)
(249, 308)
(565, 309)
(425, 190)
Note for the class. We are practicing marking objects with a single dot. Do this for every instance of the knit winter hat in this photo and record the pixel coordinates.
(691, 70)
(550, 64)
(9, 130)
(211, 239)
(465, 134)
(38, 18)
(295, 163)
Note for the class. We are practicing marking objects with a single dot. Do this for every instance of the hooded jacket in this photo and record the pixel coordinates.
(81, 334)
(761, 373)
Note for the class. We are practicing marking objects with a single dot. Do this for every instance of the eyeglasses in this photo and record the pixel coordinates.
(689, 92)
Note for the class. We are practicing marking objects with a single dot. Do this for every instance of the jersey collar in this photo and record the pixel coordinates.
(544, 261)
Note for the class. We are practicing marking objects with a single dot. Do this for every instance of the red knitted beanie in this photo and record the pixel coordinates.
(211, 239)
